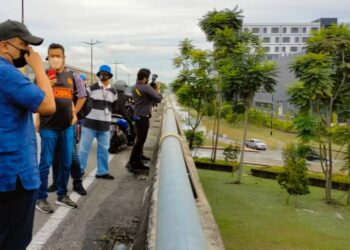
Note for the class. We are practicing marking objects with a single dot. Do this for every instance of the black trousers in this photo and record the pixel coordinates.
(142, 126)
(16, 218)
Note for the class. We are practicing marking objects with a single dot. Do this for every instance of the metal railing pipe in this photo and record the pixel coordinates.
(178, 222)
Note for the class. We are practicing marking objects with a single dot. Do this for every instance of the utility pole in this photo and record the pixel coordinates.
(22, 11)
(116, 69)
(92, 58)
(25, 69)
(128, 79)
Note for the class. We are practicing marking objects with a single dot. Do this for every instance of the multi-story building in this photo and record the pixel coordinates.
(281, 39)
(278, 100)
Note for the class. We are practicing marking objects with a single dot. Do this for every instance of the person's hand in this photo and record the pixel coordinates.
(74, 119)
(53, 81)
(158, 87)
(34, 60)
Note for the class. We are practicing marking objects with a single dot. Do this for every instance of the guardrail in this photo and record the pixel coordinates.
(178, 221)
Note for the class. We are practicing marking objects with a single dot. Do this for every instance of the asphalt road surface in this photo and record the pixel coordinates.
(263, 157)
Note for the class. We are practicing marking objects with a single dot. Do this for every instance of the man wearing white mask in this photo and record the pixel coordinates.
(56, 131)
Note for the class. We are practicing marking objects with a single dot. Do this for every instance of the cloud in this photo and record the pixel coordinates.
(146, 33)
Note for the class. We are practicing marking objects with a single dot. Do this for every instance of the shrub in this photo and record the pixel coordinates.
(197, 138)
(231, 152)
(294, 178)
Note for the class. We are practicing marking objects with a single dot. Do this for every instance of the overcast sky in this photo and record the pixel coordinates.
(146, 33)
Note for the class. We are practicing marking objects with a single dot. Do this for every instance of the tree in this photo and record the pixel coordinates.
(231, 154)
(294, 178)
(323, 89)
(163, 87)
(240, 62)
(212, 22)
(341, 135)
(194, 84)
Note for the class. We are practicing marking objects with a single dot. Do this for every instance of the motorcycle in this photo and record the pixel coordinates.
(119, 131)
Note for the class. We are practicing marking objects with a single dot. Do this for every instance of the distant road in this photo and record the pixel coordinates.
(267, 157)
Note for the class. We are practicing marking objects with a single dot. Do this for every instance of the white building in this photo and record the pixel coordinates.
(281, 39)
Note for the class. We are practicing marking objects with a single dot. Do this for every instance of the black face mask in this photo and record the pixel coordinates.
(104, 78)
(20, 61)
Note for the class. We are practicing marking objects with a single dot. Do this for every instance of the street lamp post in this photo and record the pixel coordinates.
(271, 114)
(92, 59)
(116, 69)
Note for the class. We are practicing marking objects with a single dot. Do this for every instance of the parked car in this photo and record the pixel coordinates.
(256, 144)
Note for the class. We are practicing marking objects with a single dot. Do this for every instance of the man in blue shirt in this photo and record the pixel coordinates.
(19, 99)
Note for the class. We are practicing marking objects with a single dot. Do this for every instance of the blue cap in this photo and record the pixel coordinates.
(105, 68)
(82, 76)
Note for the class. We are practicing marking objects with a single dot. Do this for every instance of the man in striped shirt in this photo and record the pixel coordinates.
(97, 123)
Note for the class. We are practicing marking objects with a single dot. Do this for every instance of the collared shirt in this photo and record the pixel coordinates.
(144, 96)
(100, 116)
(102, 85)
(19, 98)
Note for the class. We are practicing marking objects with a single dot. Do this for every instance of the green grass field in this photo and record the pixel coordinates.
(276, 141)
(254, 215)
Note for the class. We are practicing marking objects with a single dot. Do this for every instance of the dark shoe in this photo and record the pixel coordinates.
(52, 188)
(105, 176)
(80, 189)
(134, 167)
(130, 167)
(66, 201)
(141, 167)
(145, 158)
(44, 207)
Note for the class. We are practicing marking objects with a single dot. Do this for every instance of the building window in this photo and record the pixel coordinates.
(314, 29)
(296, 39)
(277, 39)
(304, 29)
(293, 49)
(246, 29)
(284, 30)
(283, 49)
(294, 30)
(256, 30)
(266, 39)
(277, 49)
(303, 49)
(304, 39)
(286, 39)
(264, 30)
(267, 49)
(275, 30)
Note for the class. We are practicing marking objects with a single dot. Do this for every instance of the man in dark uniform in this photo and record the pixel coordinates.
(144, 96)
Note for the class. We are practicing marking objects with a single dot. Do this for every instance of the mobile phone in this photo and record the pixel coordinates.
(51, 73)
